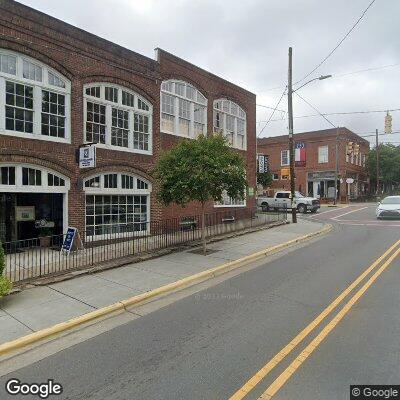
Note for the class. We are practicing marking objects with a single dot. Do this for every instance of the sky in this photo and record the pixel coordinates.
(246, 42)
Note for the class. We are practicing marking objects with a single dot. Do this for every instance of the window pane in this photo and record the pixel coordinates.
(96, 123)
(31, 71)
(53, 114)
(120, 128)
(8, 64)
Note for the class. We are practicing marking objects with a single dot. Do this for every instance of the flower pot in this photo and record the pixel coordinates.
(45, 241)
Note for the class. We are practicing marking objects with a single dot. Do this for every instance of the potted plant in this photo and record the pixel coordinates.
(45, 237)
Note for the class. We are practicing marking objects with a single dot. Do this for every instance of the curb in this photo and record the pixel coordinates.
(136, 300)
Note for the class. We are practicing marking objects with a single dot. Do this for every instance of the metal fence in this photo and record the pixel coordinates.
(38, 257)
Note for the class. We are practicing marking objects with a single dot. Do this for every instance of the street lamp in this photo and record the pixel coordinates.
(291, 142)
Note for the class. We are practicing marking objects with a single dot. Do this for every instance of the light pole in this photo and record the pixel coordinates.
(291, 141)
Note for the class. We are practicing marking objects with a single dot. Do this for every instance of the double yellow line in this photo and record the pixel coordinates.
(389, 255)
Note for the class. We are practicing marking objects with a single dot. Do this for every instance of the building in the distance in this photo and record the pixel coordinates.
(319, 156)
(62, 88)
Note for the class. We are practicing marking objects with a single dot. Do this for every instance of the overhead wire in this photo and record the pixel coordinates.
(339, 44)
(273, 112)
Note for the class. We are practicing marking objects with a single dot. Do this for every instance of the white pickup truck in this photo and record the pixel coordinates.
(282, 199)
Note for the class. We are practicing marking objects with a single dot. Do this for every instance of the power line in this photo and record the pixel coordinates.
(346, 74)
(340, 42)
(366, 70)
(340, 113)
(272, 114)
(270, 108)
(315, 109)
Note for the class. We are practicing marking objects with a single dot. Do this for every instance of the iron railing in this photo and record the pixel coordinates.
(38, 257)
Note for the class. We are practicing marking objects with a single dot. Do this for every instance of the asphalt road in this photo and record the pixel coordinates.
(207, 345)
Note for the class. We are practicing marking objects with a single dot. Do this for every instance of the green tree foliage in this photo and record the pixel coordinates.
(2, 259)
(5, 284)
(200, 170)
(264, 178)
(389, 165)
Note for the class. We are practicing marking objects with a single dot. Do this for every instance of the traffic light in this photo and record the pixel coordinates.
(388, 123)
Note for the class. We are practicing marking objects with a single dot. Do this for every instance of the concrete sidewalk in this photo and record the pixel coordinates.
(40, 307)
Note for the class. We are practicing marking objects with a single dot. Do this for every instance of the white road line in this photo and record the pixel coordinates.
(348, 212)
(328, 211)
(367, 224)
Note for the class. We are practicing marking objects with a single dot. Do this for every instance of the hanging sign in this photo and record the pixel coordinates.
(25, 213)
(262, 164)
(87, 156)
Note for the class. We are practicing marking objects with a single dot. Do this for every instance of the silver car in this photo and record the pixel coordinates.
(389, 207)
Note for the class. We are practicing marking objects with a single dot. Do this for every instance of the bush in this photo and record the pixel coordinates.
(5, 286)
(2, 259)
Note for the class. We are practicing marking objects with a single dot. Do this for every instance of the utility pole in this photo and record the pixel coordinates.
(336, 164)
(377, 162)
(291, 144)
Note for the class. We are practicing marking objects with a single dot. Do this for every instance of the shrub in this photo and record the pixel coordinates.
(5, 286)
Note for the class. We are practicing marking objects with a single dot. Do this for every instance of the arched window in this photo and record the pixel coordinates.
(230, 120)
(183, 109)
(34, 99)
(116, 203)
(116, 117)
(26, 178)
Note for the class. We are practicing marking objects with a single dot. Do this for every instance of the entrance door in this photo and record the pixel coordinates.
(316, 189)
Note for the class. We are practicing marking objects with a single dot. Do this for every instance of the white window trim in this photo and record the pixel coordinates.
(273, 176)
(288, 157)
(323, 158)
(101, 190)
(131, 111)
(43, 188)
(192, 102)
(237, 117)
(37, 98)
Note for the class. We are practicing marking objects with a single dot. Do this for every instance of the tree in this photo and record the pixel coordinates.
(5, 284)
(389, 166)
(264, 178)
(200, 170)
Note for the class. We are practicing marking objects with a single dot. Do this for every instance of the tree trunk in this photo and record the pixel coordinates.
(203, 228)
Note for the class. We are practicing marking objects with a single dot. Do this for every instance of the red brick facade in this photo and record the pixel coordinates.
(315, 171)
(84, 58)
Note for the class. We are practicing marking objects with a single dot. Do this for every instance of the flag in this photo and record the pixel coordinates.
(300, 154)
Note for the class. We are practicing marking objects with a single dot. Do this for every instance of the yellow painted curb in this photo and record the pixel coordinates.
(136, 300)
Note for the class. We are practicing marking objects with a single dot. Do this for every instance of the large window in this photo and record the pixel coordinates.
(183, 109)
(34, 99)
(230, 202)
(117, 118)
(116, 203)
(230, 120)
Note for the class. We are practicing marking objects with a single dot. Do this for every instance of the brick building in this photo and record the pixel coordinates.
(62, 87)
(315, 162)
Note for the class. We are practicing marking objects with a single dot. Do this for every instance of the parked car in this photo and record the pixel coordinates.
(389, 207)
(282, 199)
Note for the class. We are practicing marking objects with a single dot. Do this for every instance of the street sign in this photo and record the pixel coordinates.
(349, 180)
(87, 156)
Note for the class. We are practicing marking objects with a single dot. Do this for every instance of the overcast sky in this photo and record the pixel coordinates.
(247, 42)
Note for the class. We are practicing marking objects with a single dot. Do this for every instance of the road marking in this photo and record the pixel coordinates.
(291, 369)
(267, 368)
(349, 212)
(328, 211)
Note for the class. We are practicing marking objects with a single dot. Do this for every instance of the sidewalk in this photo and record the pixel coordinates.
(40, 307)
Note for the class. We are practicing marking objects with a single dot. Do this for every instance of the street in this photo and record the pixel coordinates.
(209, 344)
